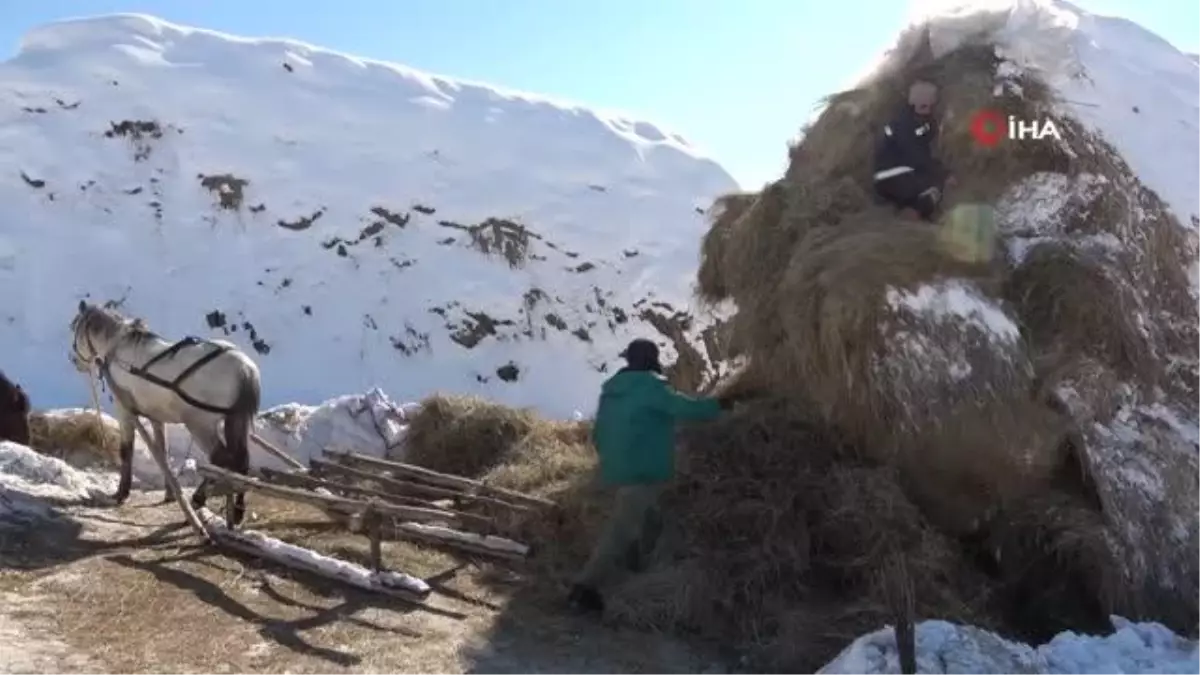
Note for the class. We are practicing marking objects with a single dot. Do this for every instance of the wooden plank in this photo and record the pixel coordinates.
(305, 481)
(404, 486)
(421, 474)
(328, 502)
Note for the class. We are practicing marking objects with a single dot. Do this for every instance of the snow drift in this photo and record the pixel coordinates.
(352, 223)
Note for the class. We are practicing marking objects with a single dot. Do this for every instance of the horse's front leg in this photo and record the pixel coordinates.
(160, 441)
(128, 429)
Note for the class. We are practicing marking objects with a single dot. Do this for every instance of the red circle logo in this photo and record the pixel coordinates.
(987, 126)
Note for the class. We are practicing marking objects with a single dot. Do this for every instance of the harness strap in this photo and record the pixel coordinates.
(171, 351)
(174, 385)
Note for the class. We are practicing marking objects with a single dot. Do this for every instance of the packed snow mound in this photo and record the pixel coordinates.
(944, 647)
(370, 424)
(350, 223)
(31, 483)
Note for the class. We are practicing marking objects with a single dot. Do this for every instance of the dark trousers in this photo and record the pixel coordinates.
(911, 191)
(629, 537)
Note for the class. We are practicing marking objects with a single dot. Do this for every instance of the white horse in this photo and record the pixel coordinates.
(195, 382)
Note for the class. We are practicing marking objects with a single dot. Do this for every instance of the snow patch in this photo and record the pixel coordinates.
(31, 483)
(956, 299)
(281, 551)
(944, 647)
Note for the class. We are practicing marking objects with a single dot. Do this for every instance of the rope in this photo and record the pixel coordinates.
(91, 376)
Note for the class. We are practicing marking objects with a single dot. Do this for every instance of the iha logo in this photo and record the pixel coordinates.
(989, 127)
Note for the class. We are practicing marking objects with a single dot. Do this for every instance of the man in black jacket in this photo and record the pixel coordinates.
(906, 172)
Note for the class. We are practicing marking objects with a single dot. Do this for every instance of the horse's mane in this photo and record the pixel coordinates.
(96, 317)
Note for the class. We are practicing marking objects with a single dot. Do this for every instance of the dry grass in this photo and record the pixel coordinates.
(78, 434)
(1072, 307)
(725, 212)
(464, 435)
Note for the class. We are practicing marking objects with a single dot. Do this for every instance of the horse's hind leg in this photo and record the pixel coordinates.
(210, 442)
(237, 448)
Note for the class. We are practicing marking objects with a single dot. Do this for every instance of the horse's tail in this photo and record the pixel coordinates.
(240, 421)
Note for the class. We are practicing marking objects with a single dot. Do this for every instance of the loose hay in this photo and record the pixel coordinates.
(725, 212)
(78, 434)
(464, 435)
(1073, 307)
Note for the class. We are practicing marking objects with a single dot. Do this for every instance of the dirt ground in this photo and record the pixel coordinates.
(130, 589)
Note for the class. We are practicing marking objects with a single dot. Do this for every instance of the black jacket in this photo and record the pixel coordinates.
(908, 141)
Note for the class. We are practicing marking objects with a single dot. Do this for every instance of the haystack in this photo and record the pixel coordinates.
(958, 433)
(945, 374)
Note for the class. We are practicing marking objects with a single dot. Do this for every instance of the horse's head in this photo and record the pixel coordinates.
(93, 331)
(96, 329)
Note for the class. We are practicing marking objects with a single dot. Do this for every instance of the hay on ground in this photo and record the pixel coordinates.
(464, 435)
(78, 434)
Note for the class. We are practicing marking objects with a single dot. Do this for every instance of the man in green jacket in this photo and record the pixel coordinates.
(634, 435)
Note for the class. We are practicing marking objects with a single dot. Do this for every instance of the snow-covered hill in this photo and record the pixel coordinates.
(352, 223)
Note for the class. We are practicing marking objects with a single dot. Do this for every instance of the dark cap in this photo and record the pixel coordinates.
(641, 354)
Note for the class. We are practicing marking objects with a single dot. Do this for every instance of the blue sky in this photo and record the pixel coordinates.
(737, 77)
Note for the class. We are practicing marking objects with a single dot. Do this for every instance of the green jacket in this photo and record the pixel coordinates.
(634, 431)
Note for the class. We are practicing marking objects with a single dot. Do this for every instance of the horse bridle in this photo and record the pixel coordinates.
(98, 361)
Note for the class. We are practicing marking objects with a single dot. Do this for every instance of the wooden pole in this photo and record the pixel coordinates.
(404, 487)
(358, 510)
(421, 474)
(160, 455)
(325, 502)
(306, 482)
(373, 525)
(497, 547)
(287, 459)
(251, 543)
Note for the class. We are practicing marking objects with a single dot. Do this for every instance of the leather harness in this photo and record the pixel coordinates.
(143, 372)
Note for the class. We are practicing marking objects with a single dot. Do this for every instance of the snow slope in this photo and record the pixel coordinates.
(321, 210)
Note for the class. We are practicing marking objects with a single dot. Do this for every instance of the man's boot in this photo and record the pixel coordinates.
(585, 599)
